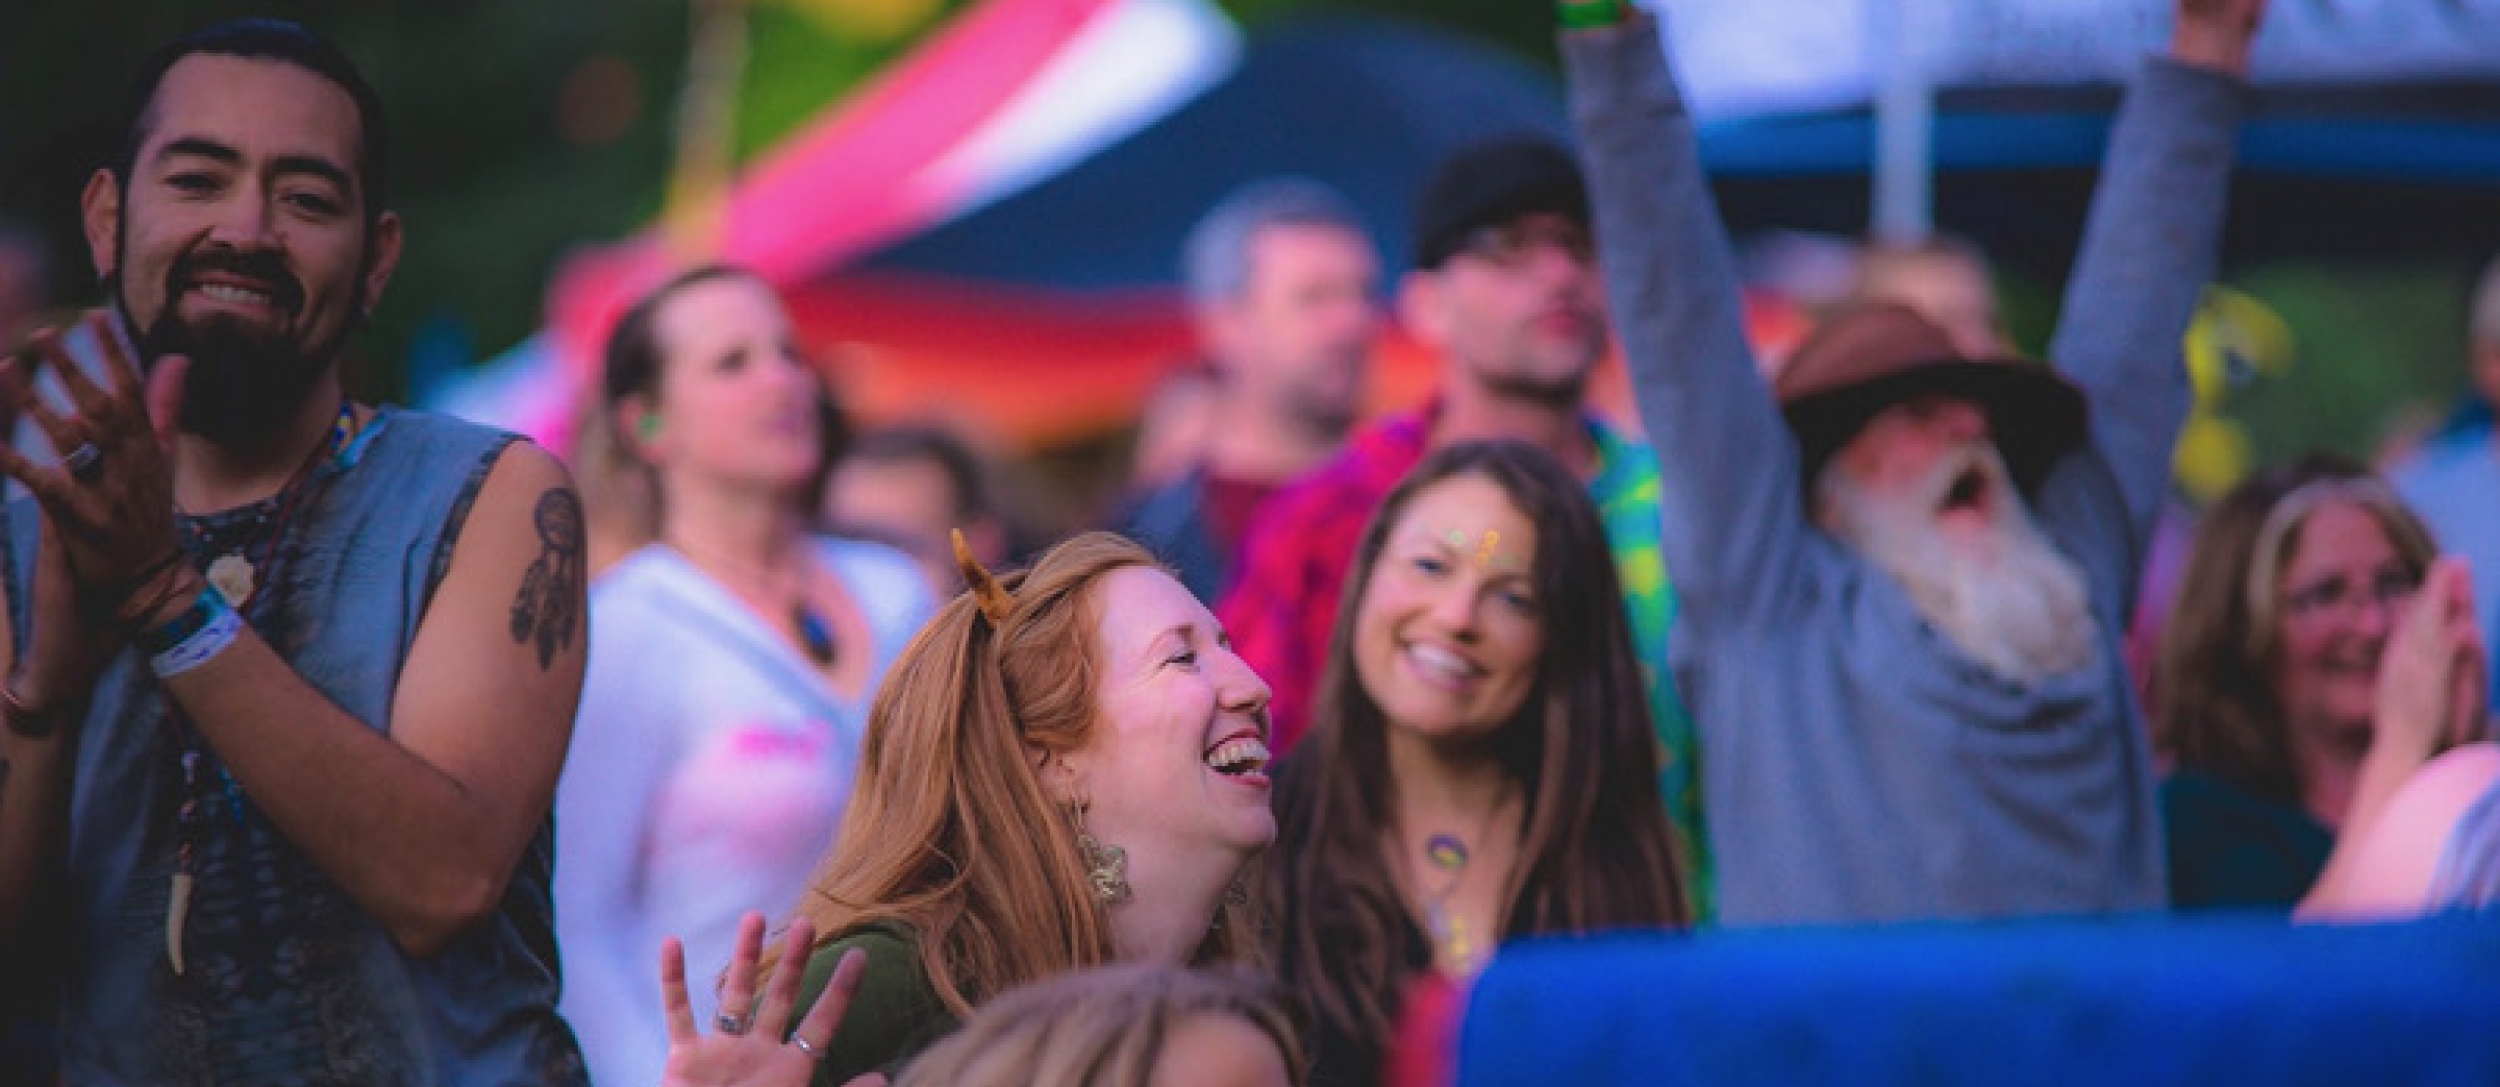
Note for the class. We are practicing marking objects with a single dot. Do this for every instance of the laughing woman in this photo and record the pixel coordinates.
(731, 661)
(1065, 769)
(1480, 764)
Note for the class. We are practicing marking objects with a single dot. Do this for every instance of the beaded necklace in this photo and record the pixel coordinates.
(234, 575)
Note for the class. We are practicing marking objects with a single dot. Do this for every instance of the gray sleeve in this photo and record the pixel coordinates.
(2150, 244)
(1733, 521)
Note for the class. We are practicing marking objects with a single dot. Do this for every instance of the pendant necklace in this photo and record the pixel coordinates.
(234, 576)
(1446, 856)
(815, 632)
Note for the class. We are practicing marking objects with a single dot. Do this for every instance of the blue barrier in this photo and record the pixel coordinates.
(2142, 1002)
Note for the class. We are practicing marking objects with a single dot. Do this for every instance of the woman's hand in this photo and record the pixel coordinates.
(752, 1053)
(2432, 671)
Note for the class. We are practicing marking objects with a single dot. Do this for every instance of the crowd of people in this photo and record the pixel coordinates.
(353, 744)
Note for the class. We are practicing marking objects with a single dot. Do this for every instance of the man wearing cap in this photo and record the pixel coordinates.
(1903, 606)
(1505, 289)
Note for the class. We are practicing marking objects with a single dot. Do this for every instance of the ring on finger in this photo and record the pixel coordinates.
(730, 1024)
(85, 463)
(813, 1053)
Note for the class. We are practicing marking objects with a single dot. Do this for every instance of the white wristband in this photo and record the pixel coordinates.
(223, 625)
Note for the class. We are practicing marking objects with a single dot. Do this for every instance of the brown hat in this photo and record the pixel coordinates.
(1872, 355)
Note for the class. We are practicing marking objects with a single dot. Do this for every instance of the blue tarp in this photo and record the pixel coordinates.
(1368, 104)
(2151, 1002)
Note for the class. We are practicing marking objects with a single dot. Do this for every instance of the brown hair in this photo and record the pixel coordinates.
(633, 367)
(950, 831)
(2214, 703)
(1595, 849)
(1103, 1027)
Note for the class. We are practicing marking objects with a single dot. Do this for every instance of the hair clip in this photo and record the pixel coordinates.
(986, 592)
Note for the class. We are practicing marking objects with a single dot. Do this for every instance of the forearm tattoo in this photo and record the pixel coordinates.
(548, 613)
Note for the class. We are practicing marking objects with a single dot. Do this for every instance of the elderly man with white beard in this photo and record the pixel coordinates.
(1902, 607)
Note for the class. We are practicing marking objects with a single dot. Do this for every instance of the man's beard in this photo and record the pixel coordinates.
(1519, 378)
(245, 383)
(2010, 599)
(1323, 410)
(1556, 393)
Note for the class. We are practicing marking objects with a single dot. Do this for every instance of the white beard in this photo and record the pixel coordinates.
(2010, 600)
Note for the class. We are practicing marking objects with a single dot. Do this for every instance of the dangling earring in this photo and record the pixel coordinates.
(1236, 897)
(1106, 866)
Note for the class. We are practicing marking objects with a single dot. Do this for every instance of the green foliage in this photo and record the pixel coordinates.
(2377, 342)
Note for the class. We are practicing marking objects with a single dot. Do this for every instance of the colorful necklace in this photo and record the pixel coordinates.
(234, 573)
(1446, 856)
(235, 576)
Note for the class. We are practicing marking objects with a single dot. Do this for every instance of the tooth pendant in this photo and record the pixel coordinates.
(232, 576)
(177, 911)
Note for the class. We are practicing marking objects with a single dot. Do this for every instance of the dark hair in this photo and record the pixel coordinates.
(278, 40)
(932, 444)
(633, 369)
(1595, 849)
(1492, 182)
(2213, 697)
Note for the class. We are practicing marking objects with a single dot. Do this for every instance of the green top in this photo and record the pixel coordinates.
(895, 1014)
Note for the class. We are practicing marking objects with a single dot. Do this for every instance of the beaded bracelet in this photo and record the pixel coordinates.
(1588, 14)
(202, 631)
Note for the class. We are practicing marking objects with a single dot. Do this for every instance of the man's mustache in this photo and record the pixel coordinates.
(261, 267)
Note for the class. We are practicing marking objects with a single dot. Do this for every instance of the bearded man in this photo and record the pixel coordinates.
(295, 674)
(1902, 607)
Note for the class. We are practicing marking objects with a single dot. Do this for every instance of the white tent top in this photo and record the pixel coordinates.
(1747, 59)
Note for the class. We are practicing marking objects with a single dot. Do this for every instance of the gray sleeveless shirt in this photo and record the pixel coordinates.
(288, 981)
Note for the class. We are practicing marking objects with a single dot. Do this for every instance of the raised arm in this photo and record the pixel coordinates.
(2151, 243)
(1733, 516)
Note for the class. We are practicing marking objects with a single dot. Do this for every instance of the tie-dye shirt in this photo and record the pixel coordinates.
(1626, 492)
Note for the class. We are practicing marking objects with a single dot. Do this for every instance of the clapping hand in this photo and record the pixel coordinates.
(2433, 670)
(753, 1052)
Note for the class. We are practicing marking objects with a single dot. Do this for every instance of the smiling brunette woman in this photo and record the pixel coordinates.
(1480, 765)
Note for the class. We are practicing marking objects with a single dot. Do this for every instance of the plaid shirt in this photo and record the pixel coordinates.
(1282, 607)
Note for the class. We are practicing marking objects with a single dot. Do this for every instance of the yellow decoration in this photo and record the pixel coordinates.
(2235, 339)
(876, 21)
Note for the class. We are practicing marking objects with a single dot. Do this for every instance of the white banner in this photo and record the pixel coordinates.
(1740, 58)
